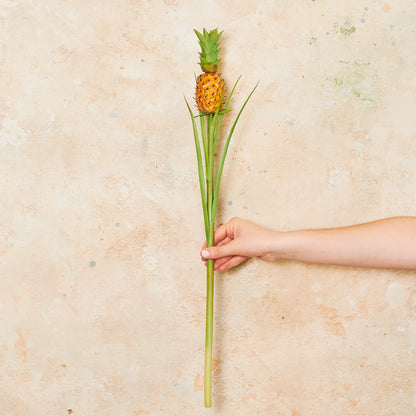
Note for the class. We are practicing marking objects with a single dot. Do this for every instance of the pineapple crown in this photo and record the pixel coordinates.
(209, 49)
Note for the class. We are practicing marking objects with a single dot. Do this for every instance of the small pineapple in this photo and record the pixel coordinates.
(210, 85)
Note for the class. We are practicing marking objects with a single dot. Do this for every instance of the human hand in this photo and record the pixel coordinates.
(237, 240)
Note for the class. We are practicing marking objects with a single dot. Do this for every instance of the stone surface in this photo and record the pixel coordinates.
(102, 292)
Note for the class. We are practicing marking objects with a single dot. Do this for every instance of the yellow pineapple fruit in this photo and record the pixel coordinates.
(209, 85)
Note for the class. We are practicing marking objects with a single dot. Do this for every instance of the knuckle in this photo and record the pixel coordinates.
(235, 221)
(214, 251)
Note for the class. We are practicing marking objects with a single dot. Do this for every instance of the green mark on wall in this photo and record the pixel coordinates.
(347, 29)
(356, 80)
(92, 264)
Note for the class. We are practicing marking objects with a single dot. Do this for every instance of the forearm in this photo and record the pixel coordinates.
(388, 243)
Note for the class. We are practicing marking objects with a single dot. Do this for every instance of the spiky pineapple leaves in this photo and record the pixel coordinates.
(209, 49)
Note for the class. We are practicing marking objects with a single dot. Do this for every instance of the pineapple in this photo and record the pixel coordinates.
(209, 85)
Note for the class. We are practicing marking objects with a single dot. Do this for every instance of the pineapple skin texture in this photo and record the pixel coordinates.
(209, 90)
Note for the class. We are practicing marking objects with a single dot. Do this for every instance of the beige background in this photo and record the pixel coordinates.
(102, 290)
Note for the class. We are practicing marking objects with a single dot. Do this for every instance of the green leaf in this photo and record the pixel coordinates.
(200, 170)
(224, 153)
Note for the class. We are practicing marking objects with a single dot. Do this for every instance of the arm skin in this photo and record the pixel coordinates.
(389, 244)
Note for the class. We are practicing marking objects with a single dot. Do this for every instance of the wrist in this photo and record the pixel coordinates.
(284, 245)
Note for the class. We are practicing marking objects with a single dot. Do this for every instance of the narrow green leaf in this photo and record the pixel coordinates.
(204, 138)
(200, 171)
(224, 153)
(217, 132)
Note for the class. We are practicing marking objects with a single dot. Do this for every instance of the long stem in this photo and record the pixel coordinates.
(210, 167)
(208, 331)
(210, 265)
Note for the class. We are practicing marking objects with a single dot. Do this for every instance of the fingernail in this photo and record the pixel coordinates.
(205, 253)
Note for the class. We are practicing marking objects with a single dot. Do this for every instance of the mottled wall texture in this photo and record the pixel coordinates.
(102, 291)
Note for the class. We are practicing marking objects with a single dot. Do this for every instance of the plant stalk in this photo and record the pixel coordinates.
(208, 331)
(210, 127)
(210, 264)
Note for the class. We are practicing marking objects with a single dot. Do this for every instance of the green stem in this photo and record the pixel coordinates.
(209, 330)
(210, 264)
(210, 168)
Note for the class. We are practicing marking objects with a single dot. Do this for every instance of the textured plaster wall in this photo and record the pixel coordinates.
(102, 292)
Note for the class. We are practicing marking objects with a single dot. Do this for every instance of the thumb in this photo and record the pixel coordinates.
(215, 252)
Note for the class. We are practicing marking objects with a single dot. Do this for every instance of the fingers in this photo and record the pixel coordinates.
(232, 262)
(219, 239)
(225, 241)
(221, 250)
(224, 247)
(224, 231)
(226, 263)
(220, 234)
(219, 262)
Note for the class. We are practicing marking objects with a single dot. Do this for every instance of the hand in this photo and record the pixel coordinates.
(237, 240)
(389, 243)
